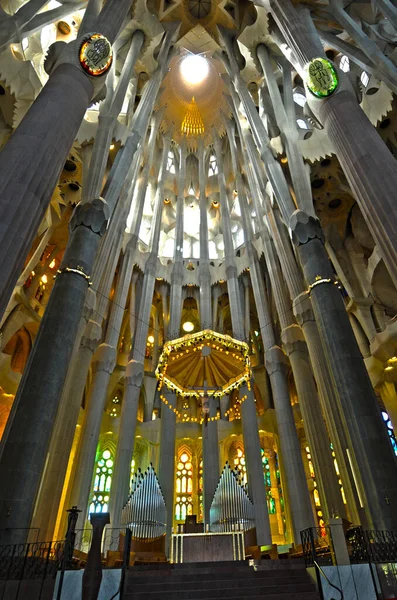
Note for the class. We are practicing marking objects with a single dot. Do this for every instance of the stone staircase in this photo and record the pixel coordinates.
(273, 580)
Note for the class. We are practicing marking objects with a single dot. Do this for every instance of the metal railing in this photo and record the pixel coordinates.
(37, 560)
(317, 546)
(372, 545)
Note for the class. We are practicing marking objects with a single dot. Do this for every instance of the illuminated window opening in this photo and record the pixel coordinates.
(213, 167)
(170, 162)
(184, 486)
(344, 64)
(102, 482)
(239, 464)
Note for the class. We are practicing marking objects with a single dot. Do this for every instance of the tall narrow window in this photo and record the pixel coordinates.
(170, 162)
(316, 495)
(239, 464)
(102, 483)
(390, 431)
(200, 490)
(184, 486)
(213, 168)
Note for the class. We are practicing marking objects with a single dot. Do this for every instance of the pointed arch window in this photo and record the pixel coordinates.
(102, 482)
(184, 485)
(213, 168)
(239, 464)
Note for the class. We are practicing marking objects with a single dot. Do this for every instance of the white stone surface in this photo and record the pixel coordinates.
(72, 585)
(355, 581)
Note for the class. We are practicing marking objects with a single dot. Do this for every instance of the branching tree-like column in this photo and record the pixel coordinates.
(37, 146)
(351, 379)
(369, 438)
(135, 368)
(166, 471)
(252, 446)
(276, 365)
(370, 168)
(305, 317)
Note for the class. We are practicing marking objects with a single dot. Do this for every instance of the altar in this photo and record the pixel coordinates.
(207, 547)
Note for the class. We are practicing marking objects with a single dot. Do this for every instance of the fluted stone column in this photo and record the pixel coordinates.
(366, 161)
(286, 121)
(103, 365)
(38, 147)
(36, 403)
(361, 411)
(166, 472)
(90, 335)
(204, 269)
(135, 368)
(327, 392)
(276, 365)
(109, 111)
(252, 446)
(295, 347)
(211, 472)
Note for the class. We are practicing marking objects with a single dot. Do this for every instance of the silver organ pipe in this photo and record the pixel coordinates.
(231, 507)
(145, 511)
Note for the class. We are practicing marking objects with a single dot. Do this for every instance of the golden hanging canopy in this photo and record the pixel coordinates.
(204, 362)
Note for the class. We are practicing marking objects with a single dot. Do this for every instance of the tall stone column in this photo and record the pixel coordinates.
(109, 111)
(204, 269)
(361, 411)
(324, 379)
(366, 161)
(166, 472)
(252, 446)
(36, 403)
(38, 147)
(103, 365)
(276, 365)
(211, 471)
(135, 367)
(286, 121)
(295, 347)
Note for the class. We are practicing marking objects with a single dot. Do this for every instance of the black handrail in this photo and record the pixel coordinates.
(318, 568)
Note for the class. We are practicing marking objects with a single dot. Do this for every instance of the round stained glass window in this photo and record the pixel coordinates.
(96, 54)
(321, 77)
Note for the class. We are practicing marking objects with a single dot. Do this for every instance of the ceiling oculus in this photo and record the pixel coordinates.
(194, 69)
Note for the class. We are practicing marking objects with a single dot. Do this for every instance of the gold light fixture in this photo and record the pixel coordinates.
(192, 124)
(188, 326)
(150, 339)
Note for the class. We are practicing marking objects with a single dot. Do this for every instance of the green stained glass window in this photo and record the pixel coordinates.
(102, 483)
(321, 77)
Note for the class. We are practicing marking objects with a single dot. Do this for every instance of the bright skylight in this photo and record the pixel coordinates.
(194, 69)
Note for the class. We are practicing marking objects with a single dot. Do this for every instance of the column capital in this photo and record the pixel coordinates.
(302, 308)
(305, 228)
(275, 360)
(134, 373)
(89, 304)
(94, 215)
(293, 340)
(92, 335)
(104, 359)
